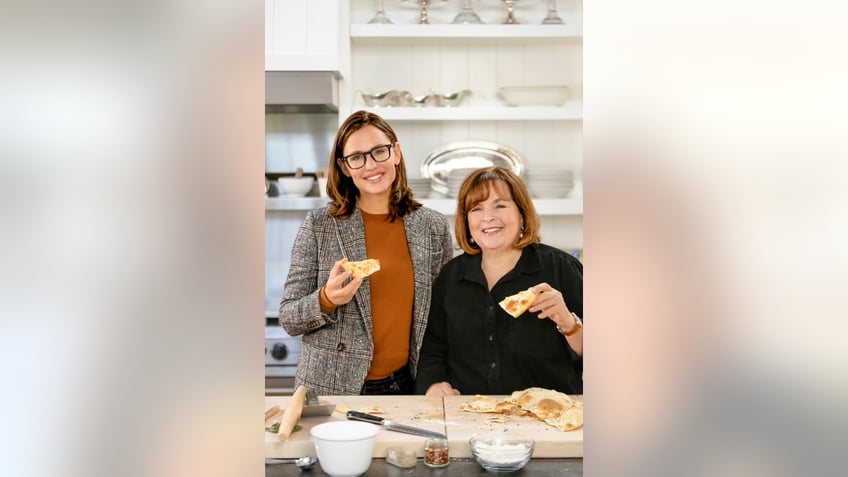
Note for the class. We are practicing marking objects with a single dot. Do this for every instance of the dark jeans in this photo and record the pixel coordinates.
(399, 382)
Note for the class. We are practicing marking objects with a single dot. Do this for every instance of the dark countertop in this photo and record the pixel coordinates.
(457, 467)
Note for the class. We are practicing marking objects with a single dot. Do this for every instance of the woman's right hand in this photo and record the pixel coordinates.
(442, 389)
(337, 291)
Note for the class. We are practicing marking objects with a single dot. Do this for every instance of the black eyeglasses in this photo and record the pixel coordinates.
(379, 154)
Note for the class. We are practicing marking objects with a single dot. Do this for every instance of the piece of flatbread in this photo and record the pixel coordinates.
(553, 407)
(531, 398)
(479, 404)
(517, 304)
(569, 420)
(505, 407)
(368, 410)
(362, 268)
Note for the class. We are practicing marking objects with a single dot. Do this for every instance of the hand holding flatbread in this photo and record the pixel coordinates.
(362, 268)
(550, 304)
(518, 303)
(340, 287)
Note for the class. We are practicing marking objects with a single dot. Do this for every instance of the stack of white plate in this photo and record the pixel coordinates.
(549, 183)
(420, 186)
(455, 179)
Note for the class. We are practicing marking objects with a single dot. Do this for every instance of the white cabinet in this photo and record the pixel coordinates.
(305, 35)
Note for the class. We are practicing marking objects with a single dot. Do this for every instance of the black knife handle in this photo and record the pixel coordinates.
(361, 416)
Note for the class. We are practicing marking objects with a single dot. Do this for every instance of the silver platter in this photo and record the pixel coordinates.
(467, 155)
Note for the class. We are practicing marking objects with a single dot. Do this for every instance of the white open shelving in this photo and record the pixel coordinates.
(570, 111)
(361, 31)
(447, 206)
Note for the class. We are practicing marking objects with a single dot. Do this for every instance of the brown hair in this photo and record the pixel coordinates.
(475, 189)
(341, 189)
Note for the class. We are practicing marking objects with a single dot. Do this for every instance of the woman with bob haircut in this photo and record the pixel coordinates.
(363, 335)
(472, 345)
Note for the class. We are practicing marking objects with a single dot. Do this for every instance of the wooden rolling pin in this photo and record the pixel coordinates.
(292, 413)
(272, 412)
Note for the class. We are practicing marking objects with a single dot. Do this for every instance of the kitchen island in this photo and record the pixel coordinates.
(556, 452)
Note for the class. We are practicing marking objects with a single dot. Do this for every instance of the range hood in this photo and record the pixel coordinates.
(301, 92)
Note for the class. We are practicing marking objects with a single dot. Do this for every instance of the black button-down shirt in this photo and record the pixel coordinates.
(476, 346)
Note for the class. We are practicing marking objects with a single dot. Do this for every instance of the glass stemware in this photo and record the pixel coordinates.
(424, 19)
(467, 15)
(510, 18)
(423, 6)
(380, 16)
(553, 17)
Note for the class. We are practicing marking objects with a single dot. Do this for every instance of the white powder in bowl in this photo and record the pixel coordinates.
(501, 453)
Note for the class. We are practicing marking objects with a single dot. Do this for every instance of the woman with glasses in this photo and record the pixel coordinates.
(363, 335)
(472, 346)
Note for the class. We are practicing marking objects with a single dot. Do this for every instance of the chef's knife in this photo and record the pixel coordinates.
(391, 426)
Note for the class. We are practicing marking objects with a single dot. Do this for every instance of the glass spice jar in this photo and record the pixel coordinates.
(436, 452)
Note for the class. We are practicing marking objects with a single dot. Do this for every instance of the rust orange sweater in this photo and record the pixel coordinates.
(392, 293)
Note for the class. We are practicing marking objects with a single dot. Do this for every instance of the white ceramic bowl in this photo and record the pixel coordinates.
(344, 448)
(534, 95)
(501, 453)
(296, 186)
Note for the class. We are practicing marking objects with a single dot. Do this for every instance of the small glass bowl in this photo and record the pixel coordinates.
(500, 453)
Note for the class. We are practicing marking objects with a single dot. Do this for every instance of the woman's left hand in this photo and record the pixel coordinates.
(551, 305)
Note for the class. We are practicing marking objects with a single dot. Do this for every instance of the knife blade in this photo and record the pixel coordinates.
(392, 426)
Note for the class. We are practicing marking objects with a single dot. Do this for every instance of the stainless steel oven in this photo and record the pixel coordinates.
(281, 354)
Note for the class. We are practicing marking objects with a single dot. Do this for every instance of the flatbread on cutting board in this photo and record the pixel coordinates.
(553, 407)
(368, 410)
(480, 403)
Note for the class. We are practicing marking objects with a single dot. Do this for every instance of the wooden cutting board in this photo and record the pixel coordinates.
(550, 442)
(418, 411)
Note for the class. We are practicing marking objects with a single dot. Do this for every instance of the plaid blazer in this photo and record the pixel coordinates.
(336, 349)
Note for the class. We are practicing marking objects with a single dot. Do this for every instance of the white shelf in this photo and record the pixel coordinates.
(466, 31)
(295, 203)
(567, 206)
(570, 111)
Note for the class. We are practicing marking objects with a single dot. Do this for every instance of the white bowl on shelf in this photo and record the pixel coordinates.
(296, 186)
(534, 95)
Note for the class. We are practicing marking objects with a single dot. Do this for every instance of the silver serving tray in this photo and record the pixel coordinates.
(467, 155)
